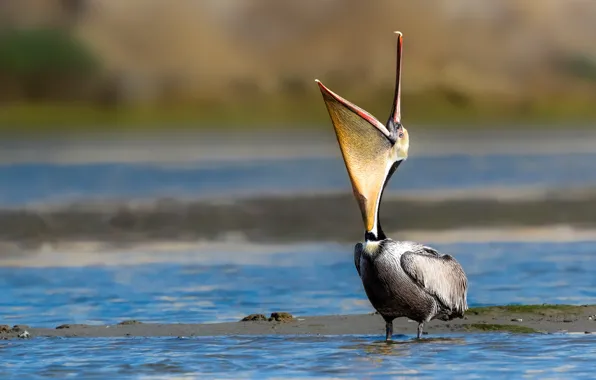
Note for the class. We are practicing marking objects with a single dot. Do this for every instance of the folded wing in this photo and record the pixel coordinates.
(440, 276)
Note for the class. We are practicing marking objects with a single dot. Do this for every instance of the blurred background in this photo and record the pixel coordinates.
(107, 64)
(174, 160)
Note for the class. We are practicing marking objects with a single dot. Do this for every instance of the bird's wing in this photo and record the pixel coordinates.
(357, 253)
(439, 275)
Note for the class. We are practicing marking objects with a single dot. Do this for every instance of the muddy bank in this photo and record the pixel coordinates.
(513, 319)
(284, 219)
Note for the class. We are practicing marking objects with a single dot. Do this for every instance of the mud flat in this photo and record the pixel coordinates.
(286, 219)
(522, 319)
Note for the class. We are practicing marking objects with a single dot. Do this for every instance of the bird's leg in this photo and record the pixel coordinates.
(388, 330)
(420, 326)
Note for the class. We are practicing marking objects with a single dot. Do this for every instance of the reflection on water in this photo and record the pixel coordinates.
(401, 344)
(313, 280)
(452, 356)
(25, 183)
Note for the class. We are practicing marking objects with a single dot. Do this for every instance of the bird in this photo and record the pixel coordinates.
(400, 278)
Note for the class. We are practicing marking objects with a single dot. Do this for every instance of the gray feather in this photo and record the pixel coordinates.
(440, 275)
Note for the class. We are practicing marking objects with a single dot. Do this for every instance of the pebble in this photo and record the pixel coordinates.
(254, 317)
(68, 326)
(130, 322)
(281, 317)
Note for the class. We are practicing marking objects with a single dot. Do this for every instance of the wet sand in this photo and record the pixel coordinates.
(77, 254)
(512, 319)
(286, 219)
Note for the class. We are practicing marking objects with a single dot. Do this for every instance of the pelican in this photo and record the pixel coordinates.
(400, 278)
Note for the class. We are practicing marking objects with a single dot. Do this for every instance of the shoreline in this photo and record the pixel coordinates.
(511, 319)
(290, 219)
(98, 253)
(290, 113)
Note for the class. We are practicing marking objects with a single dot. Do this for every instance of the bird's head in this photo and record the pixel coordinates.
(371, 151)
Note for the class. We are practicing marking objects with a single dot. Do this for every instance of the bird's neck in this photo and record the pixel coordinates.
(372, 240)
(375, 235)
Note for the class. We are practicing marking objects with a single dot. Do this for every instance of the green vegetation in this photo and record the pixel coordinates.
(280, 113)
(38, 52)
(37, 65)
(527, 309)
(581, 67)
(504, 328)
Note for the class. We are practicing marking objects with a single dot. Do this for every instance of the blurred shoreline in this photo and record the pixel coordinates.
(286, 114)
(228, 145)
(494, 213)
(553, 216)
(93, 253)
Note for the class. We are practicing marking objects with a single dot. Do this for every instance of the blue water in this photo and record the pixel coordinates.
(24, 183)
(499, 273)
(314, 279)
(478, 356)
(304, 281)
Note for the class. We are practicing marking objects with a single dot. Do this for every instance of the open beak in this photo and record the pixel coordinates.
(371, 150)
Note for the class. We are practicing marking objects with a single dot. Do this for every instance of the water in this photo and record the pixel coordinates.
(37, 182)
(477, 356)
(313, 279)
(289, 280)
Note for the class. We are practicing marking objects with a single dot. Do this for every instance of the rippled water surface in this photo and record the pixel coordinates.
(316, 279)
(474, 356)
